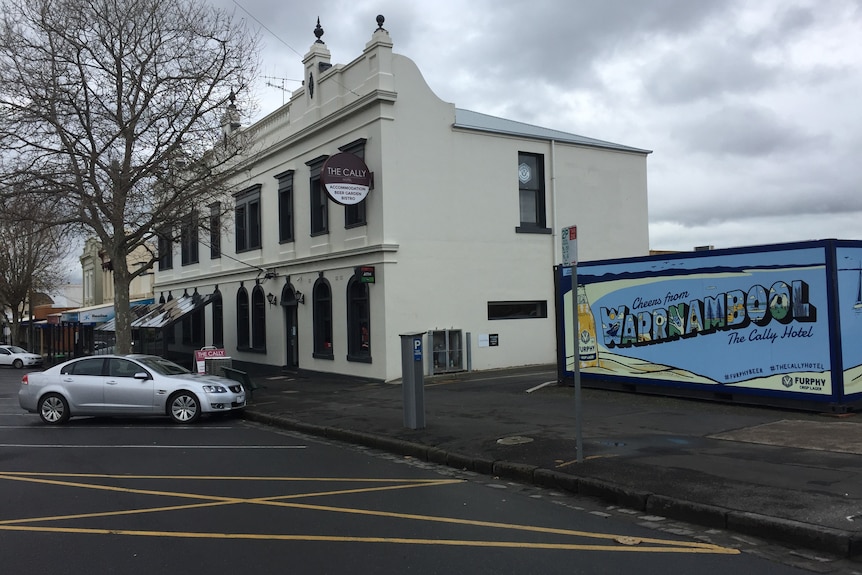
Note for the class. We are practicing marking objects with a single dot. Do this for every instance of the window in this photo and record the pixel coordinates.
(285, 206)
(258, 319)
(218, 319)
(215, 230)
(123, 368)
(91, 366)
(358, 324)
(192, 326)
(166, 249)
(354, 214)
(189, 239)
(242, 319)
(531, 193)
(322, 295)
(247, 215)
(319, 200)
(517, 309)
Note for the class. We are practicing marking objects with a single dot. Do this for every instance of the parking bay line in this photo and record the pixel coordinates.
(59, 445)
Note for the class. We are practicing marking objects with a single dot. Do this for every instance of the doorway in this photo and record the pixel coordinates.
(291, 326)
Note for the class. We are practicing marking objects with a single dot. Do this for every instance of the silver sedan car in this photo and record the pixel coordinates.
(113, 385)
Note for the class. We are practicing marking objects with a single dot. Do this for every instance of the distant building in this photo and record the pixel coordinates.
(68, 295)
(97, 298)
(369, 208)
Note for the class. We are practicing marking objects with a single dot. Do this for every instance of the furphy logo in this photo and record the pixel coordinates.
(787, 381)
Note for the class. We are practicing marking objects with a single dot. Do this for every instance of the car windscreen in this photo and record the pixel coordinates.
(16, 349)
(162, 366)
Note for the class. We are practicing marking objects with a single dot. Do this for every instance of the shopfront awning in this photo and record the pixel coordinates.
(91, 314)
(170, 312)
(96, 314)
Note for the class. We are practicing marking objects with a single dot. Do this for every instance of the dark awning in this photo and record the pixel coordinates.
(170, 312)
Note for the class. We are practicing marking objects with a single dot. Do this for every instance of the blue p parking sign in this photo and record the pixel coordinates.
(417, 349)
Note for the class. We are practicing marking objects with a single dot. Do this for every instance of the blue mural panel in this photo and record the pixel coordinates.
(756, 321)
(849, 278)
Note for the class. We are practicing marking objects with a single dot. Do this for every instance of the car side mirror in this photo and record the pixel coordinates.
(142, 375)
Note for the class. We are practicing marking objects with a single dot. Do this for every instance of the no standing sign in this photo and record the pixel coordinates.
(570, 245)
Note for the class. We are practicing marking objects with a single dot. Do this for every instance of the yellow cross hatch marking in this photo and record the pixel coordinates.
(30, 524)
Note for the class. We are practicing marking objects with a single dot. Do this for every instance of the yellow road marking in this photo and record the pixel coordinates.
(285, 500)
(222, 477)
(396, 540)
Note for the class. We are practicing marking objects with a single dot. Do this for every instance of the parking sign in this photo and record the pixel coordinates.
(570, 245)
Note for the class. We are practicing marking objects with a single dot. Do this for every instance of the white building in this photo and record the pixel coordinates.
(458, 234)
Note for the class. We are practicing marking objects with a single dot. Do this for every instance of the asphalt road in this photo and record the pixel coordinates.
(143, 496)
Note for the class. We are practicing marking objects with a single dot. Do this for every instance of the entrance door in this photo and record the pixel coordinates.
(291, 325)
(292, 336)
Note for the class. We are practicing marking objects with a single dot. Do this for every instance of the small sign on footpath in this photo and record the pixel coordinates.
(202, 355)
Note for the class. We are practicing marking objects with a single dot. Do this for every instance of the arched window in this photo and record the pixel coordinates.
(288, 295)
(322, 296)
(218, 319)
(358, 321)
(258, 319)
(242, 319)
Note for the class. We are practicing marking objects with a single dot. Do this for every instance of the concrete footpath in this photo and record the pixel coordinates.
(788, 476)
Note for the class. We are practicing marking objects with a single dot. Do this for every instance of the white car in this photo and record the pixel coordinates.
(114, 385)
(18, 357)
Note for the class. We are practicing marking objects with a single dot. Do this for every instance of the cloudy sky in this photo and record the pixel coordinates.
(753, 109)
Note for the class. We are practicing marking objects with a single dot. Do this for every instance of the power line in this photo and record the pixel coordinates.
(277, 37)
(262, 25)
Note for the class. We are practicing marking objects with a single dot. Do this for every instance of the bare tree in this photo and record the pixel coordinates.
(31, 261)
(116, 114)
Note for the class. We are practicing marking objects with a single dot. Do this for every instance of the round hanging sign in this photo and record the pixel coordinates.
(346, 179)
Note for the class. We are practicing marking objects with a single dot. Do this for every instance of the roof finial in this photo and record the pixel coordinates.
(318, 32)
(380, 21)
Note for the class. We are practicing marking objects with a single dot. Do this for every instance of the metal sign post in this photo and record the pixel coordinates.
(570, 260)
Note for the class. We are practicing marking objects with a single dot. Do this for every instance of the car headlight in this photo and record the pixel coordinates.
(214, 389)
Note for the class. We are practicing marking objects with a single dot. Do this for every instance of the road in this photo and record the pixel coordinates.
(144, 496)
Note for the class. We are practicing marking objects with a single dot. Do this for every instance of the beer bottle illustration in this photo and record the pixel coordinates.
(588, 349)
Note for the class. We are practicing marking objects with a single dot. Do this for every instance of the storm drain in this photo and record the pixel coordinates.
(514, 440)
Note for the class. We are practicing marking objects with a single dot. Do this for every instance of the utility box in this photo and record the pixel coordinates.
(213, 366)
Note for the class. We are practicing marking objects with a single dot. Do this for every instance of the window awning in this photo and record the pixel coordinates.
(170, 312)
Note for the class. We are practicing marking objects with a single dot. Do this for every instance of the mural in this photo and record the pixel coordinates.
(849, 277)
(754, 320)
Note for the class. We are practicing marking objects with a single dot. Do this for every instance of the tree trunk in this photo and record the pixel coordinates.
(122, 313)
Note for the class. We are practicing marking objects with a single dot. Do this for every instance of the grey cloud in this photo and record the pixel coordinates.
(800, 192)
(744, 130)
(705, 72)
(563, 43)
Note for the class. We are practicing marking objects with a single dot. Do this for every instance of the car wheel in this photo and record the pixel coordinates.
(54, 409)
(184, 407)
(18, 364)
